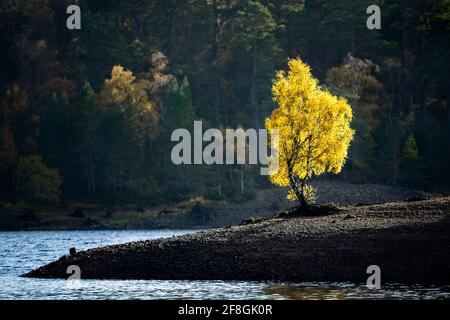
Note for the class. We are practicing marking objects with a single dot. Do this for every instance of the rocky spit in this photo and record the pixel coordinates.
(409, 241)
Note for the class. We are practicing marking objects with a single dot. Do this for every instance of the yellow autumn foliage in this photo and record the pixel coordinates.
(131, 96)
(314, 129)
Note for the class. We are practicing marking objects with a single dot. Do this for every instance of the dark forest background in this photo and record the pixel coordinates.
(86, 115)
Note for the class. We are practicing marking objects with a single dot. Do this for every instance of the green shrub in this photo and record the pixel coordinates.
(36, 182)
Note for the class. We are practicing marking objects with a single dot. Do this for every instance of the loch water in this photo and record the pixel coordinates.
(21, 252)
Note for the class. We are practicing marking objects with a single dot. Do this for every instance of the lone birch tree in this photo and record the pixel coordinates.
(314, 130)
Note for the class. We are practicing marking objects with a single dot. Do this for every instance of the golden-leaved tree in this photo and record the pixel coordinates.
(314, 131)
(129, 94)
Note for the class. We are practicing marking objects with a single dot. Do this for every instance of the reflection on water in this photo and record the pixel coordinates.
(347, 291)
(23, 251)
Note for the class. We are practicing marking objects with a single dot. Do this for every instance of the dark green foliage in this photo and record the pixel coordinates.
(178, 111)
(212, 61)
(36, 183)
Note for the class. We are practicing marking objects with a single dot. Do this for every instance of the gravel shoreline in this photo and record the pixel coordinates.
(410, 241)
(200, 215)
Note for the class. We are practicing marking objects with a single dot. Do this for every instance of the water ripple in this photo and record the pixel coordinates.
(23, 251)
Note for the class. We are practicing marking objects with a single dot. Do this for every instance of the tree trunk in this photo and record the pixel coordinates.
(405, 102)
(16, 183)
(448, 111)
(168, 45)
(92, 184)
(253, 101)
(298, 192)
(216, 71)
